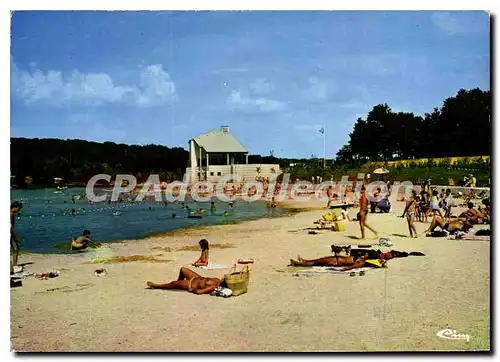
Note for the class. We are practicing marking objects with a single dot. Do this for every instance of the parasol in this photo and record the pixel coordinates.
(381, 171)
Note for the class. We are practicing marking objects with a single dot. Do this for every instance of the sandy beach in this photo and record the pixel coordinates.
(399, 308)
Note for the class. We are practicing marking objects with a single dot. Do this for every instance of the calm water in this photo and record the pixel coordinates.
(43, 224)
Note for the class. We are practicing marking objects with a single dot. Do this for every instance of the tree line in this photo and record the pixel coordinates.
(460, 127)
(76, 161)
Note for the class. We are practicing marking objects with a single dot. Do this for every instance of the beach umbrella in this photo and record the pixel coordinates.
(381, 171)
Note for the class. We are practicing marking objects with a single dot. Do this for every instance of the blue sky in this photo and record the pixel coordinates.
(275, 77)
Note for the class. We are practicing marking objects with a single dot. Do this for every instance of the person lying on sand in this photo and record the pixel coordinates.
(203, 259)
(190, 281)
(450, 226)
(372, 253)
(347, 262)
(83, 241)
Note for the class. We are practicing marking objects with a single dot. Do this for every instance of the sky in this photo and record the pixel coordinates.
(276, 78)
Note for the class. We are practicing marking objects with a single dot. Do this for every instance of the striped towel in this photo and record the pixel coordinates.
(331, 270)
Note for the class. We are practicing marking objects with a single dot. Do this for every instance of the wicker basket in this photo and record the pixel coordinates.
(238, 281)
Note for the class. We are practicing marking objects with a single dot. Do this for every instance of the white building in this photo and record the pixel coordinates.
(219, 153)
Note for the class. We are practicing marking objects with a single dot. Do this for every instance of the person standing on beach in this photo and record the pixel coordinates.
(329, 193)
(411, 212)
(434, 204)
(363, 212)
(15, 207)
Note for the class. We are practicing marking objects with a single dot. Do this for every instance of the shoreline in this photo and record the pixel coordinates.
(280, 312)
(288, 211)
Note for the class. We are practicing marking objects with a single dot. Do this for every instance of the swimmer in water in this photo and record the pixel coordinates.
(174, 215)
(212, 206)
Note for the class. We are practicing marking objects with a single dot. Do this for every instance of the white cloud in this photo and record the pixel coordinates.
(460, 22)
(261, 86)
(317, 88)
(237, 101)
(53, 88)
(447, 22)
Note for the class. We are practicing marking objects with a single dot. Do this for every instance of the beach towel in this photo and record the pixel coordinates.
(21, 275)
(331, 270)
(215, 266)
(469, 238)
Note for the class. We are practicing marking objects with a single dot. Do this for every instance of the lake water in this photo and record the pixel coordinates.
(43, 224)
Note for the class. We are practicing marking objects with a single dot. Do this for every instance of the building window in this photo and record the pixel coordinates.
(219, 173)
(211, 173)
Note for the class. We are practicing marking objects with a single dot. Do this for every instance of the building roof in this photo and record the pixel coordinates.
(220, 142)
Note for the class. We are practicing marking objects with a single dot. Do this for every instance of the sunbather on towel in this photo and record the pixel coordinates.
(347, 262)
(450, 226)
(190, 281)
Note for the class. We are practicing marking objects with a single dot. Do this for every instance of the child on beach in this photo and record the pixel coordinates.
(203, 259)
(83, 241)
(344, 215)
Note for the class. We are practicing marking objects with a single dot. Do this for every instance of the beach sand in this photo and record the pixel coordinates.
(400, 308)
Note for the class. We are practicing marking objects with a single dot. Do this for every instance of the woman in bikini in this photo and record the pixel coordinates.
(450, 226)
(190, 281)
(347, 262)
(410, 211)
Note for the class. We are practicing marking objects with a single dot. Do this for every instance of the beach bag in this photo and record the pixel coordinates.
(339, 226)
(329, 217)
(238, 281)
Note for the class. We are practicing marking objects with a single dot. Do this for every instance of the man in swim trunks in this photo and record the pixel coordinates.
(472, 215)
(329, 193)
(363, 212)
(15, 207)
(190, 281)
(347, 262)
(411, 213)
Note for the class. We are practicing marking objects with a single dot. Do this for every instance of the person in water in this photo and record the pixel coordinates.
(203, 259)
(212, 207)
(190, 281)
(83, 241)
